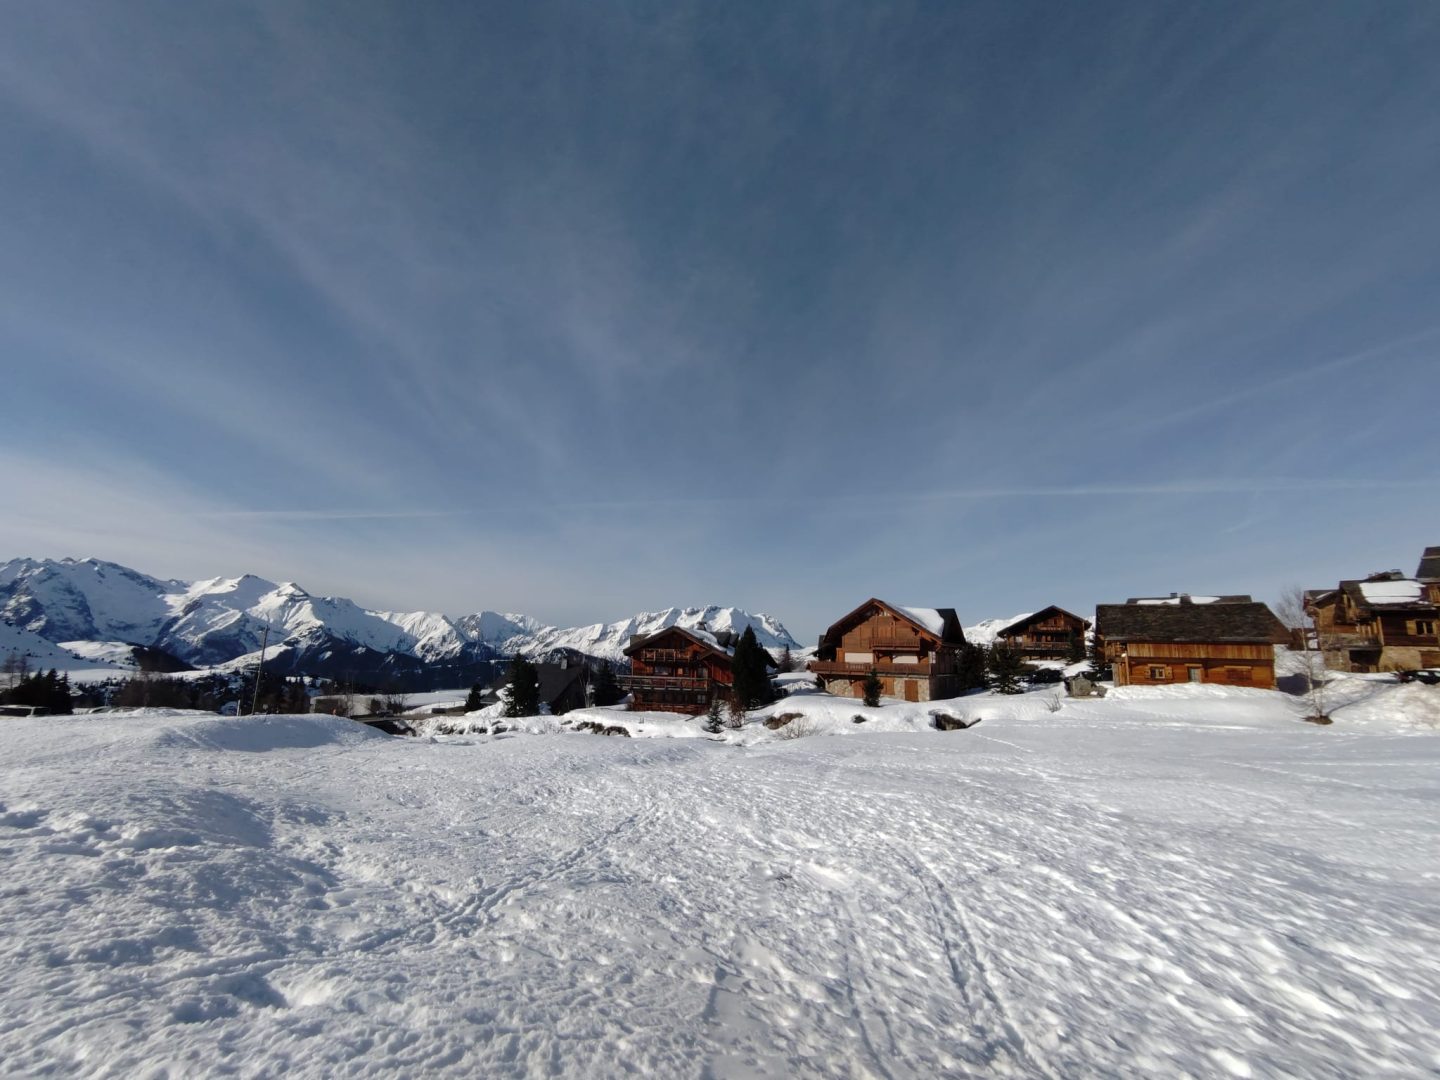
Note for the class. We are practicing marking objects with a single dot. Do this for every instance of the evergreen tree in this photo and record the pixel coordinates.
(971, 667)
(1076, 651)
(787, 662)
(750, 670)
(871, 689)
(605, 687)
(524, 689)
(47, 690)
(714, 723)
(473, 700)
(1006, 666)
(1099, 669)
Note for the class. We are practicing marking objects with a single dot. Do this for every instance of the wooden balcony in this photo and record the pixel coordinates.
(835, 667)
(895, 643)
(666, 682)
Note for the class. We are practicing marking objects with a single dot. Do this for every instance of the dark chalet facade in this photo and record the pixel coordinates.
(913, 651)
(677, 670)
(1046, 635)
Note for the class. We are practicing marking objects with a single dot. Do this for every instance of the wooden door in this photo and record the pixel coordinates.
(912, 689)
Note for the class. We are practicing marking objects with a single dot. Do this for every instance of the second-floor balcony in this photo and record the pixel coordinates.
(838, 667)
(666, 682)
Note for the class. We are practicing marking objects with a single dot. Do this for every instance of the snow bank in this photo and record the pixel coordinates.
(259, 734)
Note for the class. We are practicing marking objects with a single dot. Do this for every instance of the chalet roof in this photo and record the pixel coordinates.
(703, 638)
(1249, 623)
(1177, 598)
(1390, 592)
(939, 623)
(1429, 564)
(554, 679)
(1039, 616)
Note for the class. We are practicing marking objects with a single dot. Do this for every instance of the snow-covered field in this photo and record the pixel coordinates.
(1178, 882)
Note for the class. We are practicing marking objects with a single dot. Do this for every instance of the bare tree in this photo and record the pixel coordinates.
(1293, 610)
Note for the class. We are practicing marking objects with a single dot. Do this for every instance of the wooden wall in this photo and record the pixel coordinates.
(1156, 664)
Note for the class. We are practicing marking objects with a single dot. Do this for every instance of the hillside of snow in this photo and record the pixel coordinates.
(983, 632)
(1161, 883)
(609, 640)
(85, 657)
(222, 622)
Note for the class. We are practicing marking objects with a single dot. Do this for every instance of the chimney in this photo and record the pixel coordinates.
(1185, 598)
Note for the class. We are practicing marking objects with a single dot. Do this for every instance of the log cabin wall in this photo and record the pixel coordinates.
(1153, 664)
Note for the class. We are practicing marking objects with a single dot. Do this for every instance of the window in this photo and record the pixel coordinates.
(1158, 671)
(1424, 627)
(1237, 674)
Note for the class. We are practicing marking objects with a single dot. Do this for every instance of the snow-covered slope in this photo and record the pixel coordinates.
(37, 654)
(607, 641)
(983, 632)
(222, 620)
(204, 622)
(1188, 882)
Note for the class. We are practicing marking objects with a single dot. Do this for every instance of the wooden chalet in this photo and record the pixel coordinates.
(1385, 622)
(1049, 634)
(913, 651)
(1153, 642)
(678, 670)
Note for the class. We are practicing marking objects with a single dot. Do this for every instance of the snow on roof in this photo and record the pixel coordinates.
(1176, 600)
(708, 638)
(927, 617)
(1404, 591)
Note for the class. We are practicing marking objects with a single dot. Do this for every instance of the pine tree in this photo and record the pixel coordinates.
(1006, 666)
(971, 667)
(871, 688)
(1076, 652)
(1098, 669)
(524, 689)
(750, 672)
(605, 687)
(473, 700)
(714, 723)
(787, 662)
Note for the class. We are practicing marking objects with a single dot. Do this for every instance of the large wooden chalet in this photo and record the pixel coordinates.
(1385, 622)
(678, 670)
(1049, 634)
(1155, 641)
(913, 651)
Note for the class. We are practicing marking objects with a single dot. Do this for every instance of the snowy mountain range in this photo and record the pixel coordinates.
(95, 611)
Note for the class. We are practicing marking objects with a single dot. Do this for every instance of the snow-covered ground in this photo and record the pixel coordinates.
(1173, 882)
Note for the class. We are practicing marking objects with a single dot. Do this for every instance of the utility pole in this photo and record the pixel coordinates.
(259, 670)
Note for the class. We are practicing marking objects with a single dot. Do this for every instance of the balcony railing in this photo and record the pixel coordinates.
(664, 682)
(889, 643)
(835, 667)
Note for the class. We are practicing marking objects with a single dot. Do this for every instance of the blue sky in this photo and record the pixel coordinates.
(578, 309)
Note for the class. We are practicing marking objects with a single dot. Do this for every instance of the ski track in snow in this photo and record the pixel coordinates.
(1058, 898)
